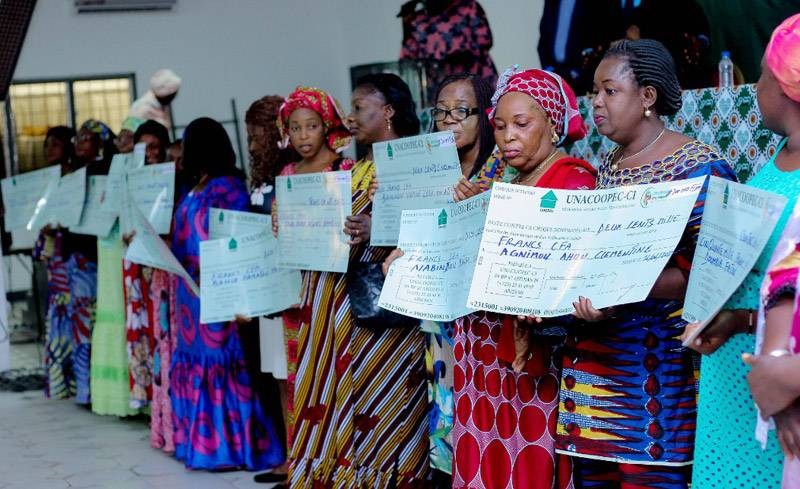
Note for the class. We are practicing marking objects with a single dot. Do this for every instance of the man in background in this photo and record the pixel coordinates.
(155, 104)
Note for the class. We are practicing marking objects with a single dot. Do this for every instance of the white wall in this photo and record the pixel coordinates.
(244, 49)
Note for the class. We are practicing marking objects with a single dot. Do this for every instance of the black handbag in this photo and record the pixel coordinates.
(364, 284)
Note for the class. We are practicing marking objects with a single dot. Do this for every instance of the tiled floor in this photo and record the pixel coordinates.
(49, 444)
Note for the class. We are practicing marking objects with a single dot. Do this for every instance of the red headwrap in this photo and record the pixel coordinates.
(552, 93)
(336, 132)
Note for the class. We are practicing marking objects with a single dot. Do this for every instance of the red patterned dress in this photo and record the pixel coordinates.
(141, 341)
(162, 296)
(505, 421)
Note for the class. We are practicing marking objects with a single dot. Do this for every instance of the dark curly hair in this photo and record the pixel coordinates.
(264, 167)
(652, 66)
(397, 94)
(483, 95)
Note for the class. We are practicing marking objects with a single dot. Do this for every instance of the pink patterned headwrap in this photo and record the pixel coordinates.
(337, 135)
(552, 93)
(783, 56)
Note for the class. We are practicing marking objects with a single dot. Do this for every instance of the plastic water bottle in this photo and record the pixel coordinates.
(725, 70)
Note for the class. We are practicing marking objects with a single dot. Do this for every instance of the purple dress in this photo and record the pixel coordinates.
(218, 421)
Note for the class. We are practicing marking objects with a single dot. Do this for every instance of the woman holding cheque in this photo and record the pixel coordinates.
(726, 414)
(359, 393)
(462, 102)
(461, 105)
(138, 279)
(628, 391)
(533, 113)
(311, 123)
(218, 421)
(263, 337)
(60, 381)
(94, 148)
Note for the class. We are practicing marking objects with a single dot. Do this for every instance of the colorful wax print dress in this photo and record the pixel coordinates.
(628, 389)
(219, 423)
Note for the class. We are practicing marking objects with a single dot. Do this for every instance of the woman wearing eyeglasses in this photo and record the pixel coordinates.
(461, 105)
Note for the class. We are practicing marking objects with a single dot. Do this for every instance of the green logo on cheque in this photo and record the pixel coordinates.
(443, 218)
(548, 201)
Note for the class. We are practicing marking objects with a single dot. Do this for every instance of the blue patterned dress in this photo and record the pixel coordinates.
(82, 273)
(72, 297)
(628, 388)
(60, 377)
(219, 423)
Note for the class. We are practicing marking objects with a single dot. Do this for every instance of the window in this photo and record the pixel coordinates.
(37, 105)
(106, 100)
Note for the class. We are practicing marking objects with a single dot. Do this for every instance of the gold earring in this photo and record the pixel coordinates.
(388, 124)
(555, 138)
(648, 112)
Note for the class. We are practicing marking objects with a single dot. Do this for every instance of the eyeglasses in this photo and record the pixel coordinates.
(458, 114)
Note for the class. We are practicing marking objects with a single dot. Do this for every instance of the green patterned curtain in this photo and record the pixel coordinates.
(727, 119)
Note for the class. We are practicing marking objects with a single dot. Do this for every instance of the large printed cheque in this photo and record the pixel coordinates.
(147, 248)
(21, 194)
(223, 223)
(240, 275)
(737, 222)
(67, 203)
(96, 219)
(62, 204)
(432, 278)
(114, 183)
(542, 249)
(152, 189)
(311, 214)
(414, 173)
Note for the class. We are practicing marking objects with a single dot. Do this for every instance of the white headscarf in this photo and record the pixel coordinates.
(165, 82)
